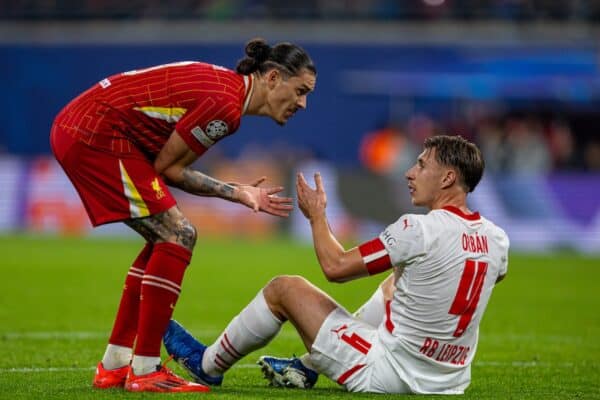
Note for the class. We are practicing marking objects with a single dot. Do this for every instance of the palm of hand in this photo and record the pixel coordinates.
(265, 199)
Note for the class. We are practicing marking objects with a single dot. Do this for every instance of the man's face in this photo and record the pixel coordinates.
(425, 179)
(288, 95)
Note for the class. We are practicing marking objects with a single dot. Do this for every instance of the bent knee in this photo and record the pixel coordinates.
(185, 234)
(280, 285)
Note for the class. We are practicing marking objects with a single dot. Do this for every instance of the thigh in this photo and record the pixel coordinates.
(114, 188)
(345, 349)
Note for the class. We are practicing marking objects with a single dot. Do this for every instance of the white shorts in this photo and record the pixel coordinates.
(349, 352)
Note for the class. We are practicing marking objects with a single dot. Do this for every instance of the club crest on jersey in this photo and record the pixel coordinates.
(157, 189)
(216, 129)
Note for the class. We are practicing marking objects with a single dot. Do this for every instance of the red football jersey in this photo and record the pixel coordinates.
(141, 108)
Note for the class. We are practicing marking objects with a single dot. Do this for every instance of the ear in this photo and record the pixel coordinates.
(448, 178)
(272, 77)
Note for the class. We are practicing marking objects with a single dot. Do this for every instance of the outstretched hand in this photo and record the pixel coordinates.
(311, 202)
(264, 199)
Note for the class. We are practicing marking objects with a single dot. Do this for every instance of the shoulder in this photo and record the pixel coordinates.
(405, 226)
(497, 233)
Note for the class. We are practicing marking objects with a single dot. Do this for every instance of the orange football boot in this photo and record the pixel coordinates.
(110, 378)
(163, 380)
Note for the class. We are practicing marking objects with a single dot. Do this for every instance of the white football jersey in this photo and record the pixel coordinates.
(449, 263)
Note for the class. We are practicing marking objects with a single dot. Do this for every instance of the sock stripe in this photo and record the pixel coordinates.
(227, 344)
(170, 289)
(138, 270)
(221, 363)
(162, 280)
(136, 275)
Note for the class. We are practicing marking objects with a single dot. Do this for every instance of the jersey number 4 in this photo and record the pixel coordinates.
(467, 294)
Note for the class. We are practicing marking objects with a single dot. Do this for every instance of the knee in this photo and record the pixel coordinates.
(281, 286)
(185, 234)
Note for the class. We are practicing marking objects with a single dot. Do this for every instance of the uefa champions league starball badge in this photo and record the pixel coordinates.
(216, 129)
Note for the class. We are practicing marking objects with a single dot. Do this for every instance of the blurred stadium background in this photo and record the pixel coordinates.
(519, 77)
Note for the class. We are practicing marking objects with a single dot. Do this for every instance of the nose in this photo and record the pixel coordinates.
(409, 173)
(301, 102)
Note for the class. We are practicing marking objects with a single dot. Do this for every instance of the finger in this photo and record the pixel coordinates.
(278, 213)
(274, 190)
(284, 207)
(258, 181)
(319, 182)
(300, 180)
(277, 199)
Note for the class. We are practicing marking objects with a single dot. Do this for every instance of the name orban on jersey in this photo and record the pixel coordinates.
(475, 243)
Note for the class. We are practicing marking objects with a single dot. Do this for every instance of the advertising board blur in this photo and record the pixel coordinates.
(539, 213)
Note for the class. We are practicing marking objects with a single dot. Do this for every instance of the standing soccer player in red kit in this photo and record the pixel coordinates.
(125, 139)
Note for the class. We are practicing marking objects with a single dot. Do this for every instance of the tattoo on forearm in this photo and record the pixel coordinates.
(197, 183)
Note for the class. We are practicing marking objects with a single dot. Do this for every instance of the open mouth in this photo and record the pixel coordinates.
(290, 113)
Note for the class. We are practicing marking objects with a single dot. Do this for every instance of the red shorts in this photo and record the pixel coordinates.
(112, 187)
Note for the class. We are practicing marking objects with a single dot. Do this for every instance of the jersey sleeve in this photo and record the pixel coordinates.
(504, 245)
(398, 244)
(207, 123)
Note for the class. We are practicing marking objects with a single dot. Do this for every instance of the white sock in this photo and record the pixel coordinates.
(143, 365)
(251, 329)
(306, 361)
(116, 356)
(373, 311)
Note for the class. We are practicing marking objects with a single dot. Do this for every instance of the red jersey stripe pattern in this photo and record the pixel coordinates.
(141, 108)
(375, 256)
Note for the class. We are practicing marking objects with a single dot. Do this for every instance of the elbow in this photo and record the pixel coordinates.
(334, 273)
(500, 278)
(160, 166)
(171, 175)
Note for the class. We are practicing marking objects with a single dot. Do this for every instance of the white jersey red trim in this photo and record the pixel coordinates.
(448, 262)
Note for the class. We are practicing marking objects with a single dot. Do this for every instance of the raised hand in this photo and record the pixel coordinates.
(312, 203)
(264, 199)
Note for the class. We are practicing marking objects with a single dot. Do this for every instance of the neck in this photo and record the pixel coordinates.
(258, 97)
(456, 198)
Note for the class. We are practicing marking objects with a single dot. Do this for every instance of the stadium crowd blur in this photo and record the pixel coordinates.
(520, 10)
(528, 97)
(514, 141)
(518, 143)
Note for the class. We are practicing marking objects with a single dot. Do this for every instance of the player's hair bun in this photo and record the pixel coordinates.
(288, 58)
(257, 52)
(258, 49)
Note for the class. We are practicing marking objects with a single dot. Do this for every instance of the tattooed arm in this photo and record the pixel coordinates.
(173, 164)
(195, 182)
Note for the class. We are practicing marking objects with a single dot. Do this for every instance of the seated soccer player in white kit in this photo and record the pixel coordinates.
(421, 340)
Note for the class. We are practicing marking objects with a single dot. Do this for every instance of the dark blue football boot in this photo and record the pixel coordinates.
(188, 353)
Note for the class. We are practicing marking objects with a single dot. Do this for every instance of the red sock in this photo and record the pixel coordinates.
(160, 291)
(125, 326)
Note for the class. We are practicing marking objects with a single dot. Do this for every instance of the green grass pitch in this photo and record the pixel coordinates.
(539, 339)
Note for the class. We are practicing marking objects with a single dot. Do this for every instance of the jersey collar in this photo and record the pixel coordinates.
(249, 84)
(470, 217)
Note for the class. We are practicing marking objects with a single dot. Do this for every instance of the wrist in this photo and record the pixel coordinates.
(317, 218)
(235, 193)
